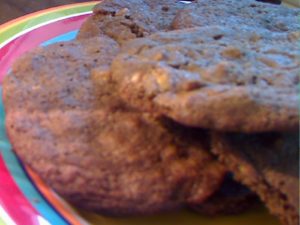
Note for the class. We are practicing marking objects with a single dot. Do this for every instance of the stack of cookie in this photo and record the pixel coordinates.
(160, 105)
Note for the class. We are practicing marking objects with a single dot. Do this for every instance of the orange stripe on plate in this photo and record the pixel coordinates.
(54, 200)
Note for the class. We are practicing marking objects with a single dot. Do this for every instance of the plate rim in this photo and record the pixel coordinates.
(58, 13)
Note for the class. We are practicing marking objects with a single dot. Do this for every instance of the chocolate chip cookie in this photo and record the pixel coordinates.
(224, 78)
(124, 20)
(68, 123)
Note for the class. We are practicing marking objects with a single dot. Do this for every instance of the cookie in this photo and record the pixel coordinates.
(269, 165)
(224, 78)
(124, 20)
(67, 122)
(231, 198)
(276, 18)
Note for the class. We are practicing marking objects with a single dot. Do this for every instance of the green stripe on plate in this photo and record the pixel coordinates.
(39, 19)
(2, 222)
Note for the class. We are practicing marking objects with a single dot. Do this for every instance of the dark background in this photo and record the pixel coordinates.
(11, 9)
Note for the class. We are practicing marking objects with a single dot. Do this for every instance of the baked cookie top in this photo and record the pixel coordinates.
(224, 78)
(276, 18)
(124, 20)
(57, 77)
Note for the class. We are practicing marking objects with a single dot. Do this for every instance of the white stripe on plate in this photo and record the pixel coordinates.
(40, 25)
(5, 217)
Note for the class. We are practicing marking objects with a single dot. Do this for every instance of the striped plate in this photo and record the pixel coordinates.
(24, 198)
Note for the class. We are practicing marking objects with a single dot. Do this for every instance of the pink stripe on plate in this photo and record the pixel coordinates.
(11, 198)
(34, 38)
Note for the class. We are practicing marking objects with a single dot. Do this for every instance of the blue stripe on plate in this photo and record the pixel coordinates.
(64, 37)
(27, 188)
